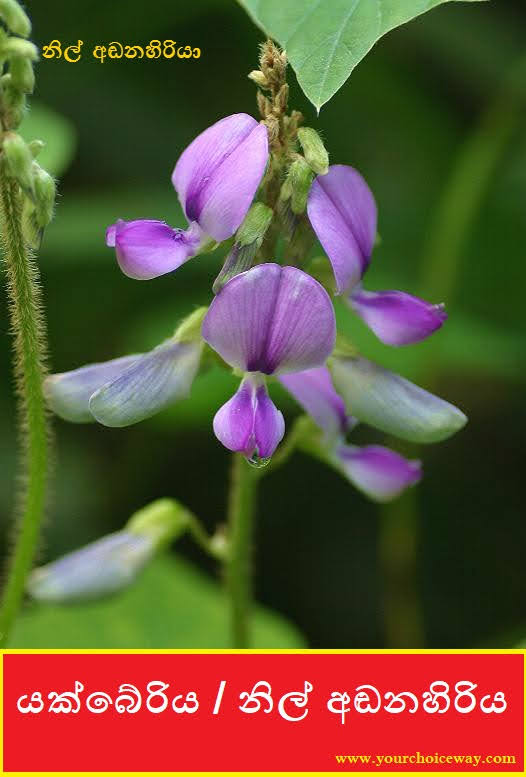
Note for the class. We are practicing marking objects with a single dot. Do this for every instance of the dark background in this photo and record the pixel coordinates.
(433, 121)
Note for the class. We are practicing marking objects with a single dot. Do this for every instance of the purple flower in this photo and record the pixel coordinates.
(378, 472)
(342, 212)
(270, 320)
(216, 179)
(124, 391)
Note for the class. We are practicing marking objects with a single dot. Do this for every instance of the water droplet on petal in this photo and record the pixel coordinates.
(257, 461)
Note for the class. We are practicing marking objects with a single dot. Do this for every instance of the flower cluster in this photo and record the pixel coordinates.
(269, 321)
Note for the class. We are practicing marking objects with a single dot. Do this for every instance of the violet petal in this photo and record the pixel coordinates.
(342, 212)
(395, 317)
(271, 319)
(379, 472)
(217, 176)
(146, 249)
(249, 422)
(314, 391)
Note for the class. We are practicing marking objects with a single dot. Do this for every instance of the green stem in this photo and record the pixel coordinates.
(241, 506)
(29, 352)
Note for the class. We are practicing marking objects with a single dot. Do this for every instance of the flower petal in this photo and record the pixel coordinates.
(379, 472)
(249, 422)
(68, 393)
(217, 176)
(395, 317)
(100, 568)
(153, 381)
(271, 319)
(146, 249)
(342, 212)
(393, 404)
(314, 391)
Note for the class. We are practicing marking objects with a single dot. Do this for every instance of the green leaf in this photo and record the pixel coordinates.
(58, 134)
(172, 605)
(324, 40)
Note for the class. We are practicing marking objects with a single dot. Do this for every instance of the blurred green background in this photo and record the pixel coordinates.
(434, 118)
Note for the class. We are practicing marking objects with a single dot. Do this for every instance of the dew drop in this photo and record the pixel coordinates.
(258, 462)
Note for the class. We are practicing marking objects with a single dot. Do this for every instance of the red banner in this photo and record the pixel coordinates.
(263, 712)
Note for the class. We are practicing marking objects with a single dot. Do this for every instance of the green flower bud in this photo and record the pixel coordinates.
(45, 189)
(19, 160)
(16, 47)
(161, 521)
(31, 229)
(189, 330)
(314, 150)
(22, 75)
(13, 103)
(36, 146)
(248, 240)
(300, 175)
(15, 18)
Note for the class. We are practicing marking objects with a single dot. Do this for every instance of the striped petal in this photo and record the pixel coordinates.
(393, 404)
(217, 176)
(151, 383)
(273, 320)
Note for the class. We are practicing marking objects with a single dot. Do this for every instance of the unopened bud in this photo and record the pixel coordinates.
(19, 160)
(281, 99)
(13, 103)
(98, 569)
(22, 75)
(249, 238)
(300, 175)
(36, 146)
(189, 330)
(264, 105)
(258, 78)
(17, 47)
(315, 152)
(15, 18)
(161, 522)
(45, 190)
(31, 229)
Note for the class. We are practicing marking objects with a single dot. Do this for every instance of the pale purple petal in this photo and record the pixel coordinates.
(315, 392)
(395, 317)
(271, 319)
(153, 381)
(68, 393)
(217, 176)
(146, 249)
(97, 569)
(342, 212)
(379, 472)
(249, 423)
(393, 404)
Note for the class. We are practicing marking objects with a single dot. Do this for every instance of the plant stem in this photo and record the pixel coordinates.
(241, 504)
(29, 353)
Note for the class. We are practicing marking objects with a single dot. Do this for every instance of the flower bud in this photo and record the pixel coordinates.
(300, 175)
(258, 78)
(16, 47)
(314, 150)
(19, 160)
(13, 103)
(162, 522)
(249, 238)
(15, 18)
(45, 190)
(36, 146)
(98, 569)
(22, 75)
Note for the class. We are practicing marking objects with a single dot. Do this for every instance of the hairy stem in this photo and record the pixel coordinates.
(28, 328)
(241, 506)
